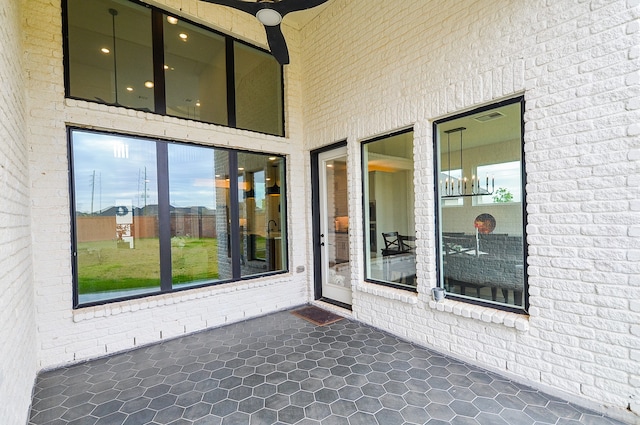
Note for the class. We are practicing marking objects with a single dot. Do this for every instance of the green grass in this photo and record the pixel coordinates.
(104, 266)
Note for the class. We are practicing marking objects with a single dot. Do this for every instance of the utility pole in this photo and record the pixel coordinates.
(93, 187)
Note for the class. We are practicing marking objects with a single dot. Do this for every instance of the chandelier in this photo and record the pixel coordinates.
(460, 186)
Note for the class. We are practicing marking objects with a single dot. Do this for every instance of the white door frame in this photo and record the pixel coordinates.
(331, 238)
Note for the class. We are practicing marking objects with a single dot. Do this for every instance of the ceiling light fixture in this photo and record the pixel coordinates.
(270, 13)
(269, 17)
(105, 50)
(172, 20)
(457, 187)
(129, 88)
(183, 36)
(148, 84)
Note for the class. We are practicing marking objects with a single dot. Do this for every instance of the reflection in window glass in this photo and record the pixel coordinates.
(258, 85)
(262, 231)
(509, 188)
(152, 216)
(109, 59)
(195, 195)
(482, 240)
(110, 53)
(389, 194)
(116, 216)
(195, 72)
(450, 178)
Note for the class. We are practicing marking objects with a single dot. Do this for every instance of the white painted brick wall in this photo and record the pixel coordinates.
(17, 326)
(359, 71)
(65, 335)
(370, 70)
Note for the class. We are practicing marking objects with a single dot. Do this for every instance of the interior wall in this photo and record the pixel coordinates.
(462, 218)
(17, 329)
(369, 71)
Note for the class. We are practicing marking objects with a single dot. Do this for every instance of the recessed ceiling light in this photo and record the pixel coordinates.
(183, 36)
(129, 88)
(166, 67)
(240, 168)
(148, 84)
(105, 50)
(172, 20)
(198, 103)
(490, 116)
(272, 158)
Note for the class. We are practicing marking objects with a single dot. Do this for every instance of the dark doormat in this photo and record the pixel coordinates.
(317, 316)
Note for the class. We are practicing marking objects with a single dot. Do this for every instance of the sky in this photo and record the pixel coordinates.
(109, 168)
(125, 169)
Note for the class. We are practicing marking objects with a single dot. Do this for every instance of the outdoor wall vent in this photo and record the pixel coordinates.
(490, 116)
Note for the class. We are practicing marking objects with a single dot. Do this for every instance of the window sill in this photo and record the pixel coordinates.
(160, 300)
(388, 292)
(485, 314)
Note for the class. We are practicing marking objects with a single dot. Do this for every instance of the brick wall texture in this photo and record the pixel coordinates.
(17, 326)
(370, 70)
(359, 71)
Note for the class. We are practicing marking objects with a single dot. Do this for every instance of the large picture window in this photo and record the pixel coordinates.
(124, 53)
(389, 210)
(152, 216)
(479, 166)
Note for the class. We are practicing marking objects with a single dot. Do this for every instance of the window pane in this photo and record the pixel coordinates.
(110, 54)
(263, 235)
(116, 216)
(390, 217)
(196, 196)
(507, 174)
(195, 72)
(258, 84)
(482, 240)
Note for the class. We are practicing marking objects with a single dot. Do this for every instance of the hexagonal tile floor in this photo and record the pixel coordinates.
(281, 369)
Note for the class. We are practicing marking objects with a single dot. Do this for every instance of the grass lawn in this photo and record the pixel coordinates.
(108, 266)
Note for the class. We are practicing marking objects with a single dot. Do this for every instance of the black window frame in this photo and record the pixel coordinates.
(158, 70)
(164, 224)
(438, 234)
(365, 224)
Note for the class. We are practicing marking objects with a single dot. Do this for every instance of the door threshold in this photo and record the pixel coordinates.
(336, 303)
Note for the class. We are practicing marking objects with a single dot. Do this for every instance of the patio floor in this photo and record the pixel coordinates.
(282, 369)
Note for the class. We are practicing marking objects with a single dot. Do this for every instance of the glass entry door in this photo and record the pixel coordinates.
(333, 220)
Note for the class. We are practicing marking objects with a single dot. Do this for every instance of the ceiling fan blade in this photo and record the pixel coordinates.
(249, 7)
(288, 6)
(277, 44)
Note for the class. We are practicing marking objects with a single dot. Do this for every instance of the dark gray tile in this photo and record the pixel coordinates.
(280, 370)
(464, 408)
(368, 404)
(440, 411)
(290, 414)
(362, 418)
(302, 398)
(317, 411)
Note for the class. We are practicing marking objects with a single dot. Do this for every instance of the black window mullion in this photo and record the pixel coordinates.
(234, 214)
(231, 83)
(164, 217)
(159, 97)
